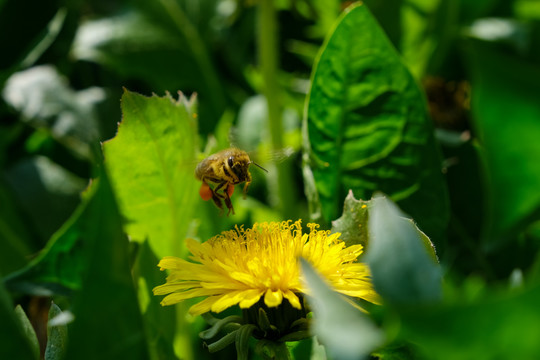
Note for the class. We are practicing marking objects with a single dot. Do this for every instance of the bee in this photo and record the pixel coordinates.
(224, 169)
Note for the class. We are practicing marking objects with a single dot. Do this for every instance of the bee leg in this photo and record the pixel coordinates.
(225, 195)
(246, 186)
(229, 205)
(217, 201)
(220, 187)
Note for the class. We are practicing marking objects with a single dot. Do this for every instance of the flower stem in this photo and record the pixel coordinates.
(268, 62)
(282, 352)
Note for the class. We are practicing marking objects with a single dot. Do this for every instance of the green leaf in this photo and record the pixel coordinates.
(346, 332)
(57, 336)
(353, 223)
(106, 306)
(47, 192)
(506, 113)
(403, 270)
(16, 345)
(152, 162)
(428, 33)
(29, 331)
(59, 267)
(160, 321)
(493, 327)
(367, 128)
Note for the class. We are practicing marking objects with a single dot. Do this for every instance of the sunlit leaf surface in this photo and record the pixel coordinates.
(152, 163)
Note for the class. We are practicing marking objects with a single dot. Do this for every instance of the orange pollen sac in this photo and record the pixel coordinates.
(205, 192)
(230, 189)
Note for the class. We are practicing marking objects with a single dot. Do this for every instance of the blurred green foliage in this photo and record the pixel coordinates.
(434, 103)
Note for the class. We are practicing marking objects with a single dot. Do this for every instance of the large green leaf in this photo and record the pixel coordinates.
(506, 112)
(367, 128)
(106, 307)
(152, 161)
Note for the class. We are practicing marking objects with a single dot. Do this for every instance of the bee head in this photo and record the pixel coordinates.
(239, 166)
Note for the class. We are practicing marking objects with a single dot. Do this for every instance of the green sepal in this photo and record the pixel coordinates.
(29, 331)
(242, 341)
(295, 336)
(217, 325)
(264, 322)
(223, 342)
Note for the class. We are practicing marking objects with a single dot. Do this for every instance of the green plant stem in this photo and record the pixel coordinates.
(282, 352)
(197, 47)
(268, 62)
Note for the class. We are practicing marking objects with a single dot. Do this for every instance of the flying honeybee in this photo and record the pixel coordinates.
(224, 169)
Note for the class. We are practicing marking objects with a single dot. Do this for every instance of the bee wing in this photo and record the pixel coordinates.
(278, 156)
(262, 154)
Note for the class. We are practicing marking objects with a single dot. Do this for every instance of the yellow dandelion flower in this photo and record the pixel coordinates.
(241, 266)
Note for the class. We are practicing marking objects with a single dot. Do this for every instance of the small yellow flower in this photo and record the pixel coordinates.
(240, 266)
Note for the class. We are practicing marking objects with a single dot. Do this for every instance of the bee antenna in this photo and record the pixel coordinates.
(254, 163)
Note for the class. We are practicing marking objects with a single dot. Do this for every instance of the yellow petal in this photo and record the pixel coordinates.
(250, 298)
(179, 296)
(223, 285)
(293, 299)
(169, 288)
(239, 266)
(247, 279)
(227, 300)
(170, 262)
(204, 306)
(273, 298)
